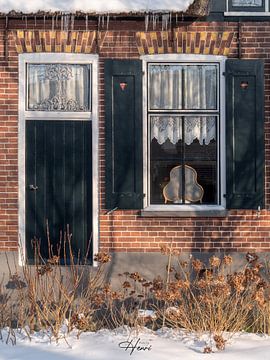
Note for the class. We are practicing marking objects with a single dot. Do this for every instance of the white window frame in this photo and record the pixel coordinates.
(228, 12)
(221, 153)
(24, 114)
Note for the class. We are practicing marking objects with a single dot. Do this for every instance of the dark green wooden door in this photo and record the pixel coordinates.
(58, 186)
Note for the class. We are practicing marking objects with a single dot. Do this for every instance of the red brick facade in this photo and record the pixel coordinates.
(126, 230)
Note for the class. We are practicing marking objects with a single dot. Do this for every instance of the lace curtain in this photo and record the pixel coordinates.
(183, 87)
(178, 87)
(202, 128)
(58, 87)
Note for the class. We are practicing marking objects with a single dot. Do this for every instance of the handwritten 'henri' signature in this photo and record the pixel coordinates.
(135, 344)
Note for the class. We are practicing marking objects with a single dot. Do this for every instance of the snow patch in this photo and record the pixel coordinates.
(144, 313)
(94, 6)
(103, 345)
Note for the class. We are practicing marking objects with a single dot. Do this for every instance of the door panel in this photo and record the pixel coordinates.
(59, 171)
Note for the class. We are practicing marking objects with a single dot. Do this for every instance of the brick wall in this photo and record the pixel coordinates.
(127, 230)
(8, 148)
(241, 230)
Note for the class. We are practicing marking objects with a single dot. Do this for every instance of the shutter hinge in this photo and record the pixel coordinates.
(141, 196)
(111, 211)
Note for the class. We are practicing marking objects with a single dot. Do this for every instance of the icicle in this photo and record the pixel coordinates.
(72, 21)
(52, 23)
(146, 22)
(65, 22)
(26, 21)
(56, 21)
(6, 22)
(170, 19)
(62, 21)
(44, 21)
(68, 22)
(155, 22)
(86, 22)
(103, 21)
(108, 20)
(35, 19)
(176, 19)
(165, 18)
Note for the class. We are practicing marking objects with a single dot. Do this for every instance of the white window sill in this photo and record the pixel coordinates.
(184, 211)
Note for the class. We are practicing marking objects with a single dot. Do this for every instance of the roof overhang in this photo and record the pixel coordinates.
(196, 8)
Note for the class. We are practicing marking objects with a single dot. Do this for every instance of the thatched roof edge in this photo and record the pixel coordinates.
(199, 8)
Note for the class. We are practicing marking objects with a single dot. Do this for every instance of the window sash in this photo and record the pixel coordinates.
(185, 97)
(218, 160)
(184, 113)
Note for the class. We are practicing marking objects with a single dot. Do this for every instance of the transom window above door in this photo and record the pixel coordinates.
(59, 87)
(183, 127)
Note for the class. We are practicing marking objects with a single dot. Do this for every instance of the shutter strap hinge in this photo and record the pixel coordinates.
(111, 211)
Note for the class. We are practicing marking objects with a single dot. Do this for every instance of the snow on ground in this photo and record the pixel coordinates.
(101, 6)
(165, 344)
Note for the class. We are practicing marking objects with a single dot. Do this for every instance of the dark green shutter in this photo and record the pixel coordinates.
(123, 126)
(244, 134)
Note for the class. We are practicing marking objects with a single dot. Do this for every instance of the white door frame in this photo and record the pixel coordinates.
(43, 58)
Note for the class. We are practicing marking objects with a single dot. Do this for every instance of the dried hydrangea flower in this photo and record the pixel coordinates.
(214, 261)
(259, 297)
(227, 260)
(102, 257)
(220, 342)
(197, 265)
(207, 350)
(135, 276)
(126, 284)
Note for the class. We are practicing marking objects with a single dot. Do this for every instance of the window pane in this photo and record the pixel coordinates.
(200, 87)
(201, 155)
(177, 87)
(165, 86)
(183, 142)
(166, 152)
(58, 87)
(247, 3)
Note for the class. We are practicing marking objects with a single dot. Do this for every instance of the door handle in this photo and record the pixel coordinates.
(33, 187)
